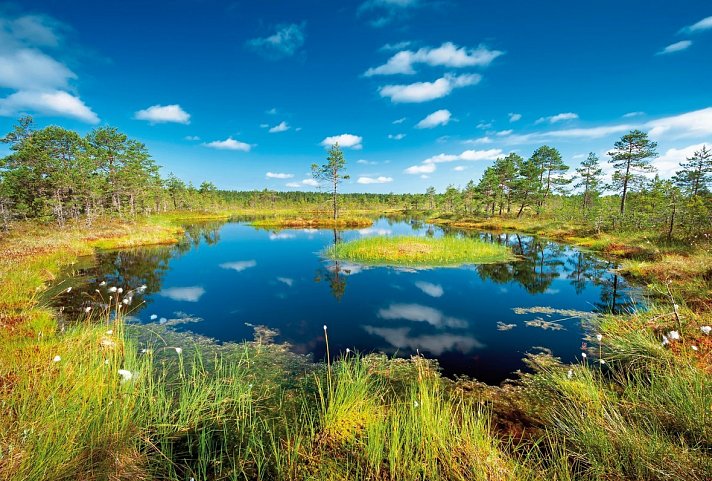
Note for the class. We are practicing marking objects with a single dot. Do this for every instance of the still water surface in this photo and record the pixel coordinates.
(476, 320)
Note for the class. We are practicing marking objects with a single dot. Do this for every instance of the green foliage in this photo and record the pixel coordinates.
(332, 173)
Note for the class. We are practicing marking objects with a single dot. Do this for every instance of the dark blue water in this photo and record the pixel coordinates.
(476, 320)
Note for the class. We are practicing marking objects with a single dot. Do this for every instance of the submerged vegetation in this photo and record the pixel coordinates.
(419, 251)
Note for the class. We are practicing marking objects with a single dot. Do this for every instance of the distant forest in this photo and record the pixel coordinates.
(56, 175)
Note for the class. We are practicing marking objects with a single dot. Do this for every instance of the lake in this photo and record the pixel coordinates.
(477, 320)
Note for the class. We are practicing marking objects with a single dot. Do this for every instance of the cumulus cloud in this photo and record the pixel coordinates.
(53, 102)
(478, 141)
(428, 166)
(280, 127)
(514, 117)
(186, 294)
(676, 47)
(557, 118)
(420, 169)
(396, 136)
(425, 91)
(157, 114)
(229, 144)
(41, 83)
(447, 55)
(344, 140)
(303, 183)
(374, 180)
(439, 117)
(278, 175)
(704, 24)
(285, 42)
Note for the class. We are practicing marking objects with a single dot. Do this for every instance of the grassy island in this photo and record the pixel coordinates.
(313, 222)
(420, 251)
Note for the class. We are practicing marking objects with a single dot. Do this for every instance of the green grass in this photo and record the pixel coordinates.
(295, 222)
(257, 411)
(419, 251)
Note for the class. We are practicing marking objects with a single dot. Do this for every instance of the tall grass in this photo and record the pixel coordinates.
(419, 251)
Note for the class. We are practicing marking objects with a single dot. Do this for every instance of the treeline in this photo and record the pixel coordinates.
(543, 186)
(56, 174)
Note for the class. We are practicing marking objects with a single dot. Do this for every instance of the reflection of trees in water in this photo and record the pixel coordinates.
(334, 273)
(130, 270)
(537, 267)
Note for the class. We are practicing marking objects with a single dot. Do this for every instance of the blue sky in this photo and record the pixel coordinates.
(246, 94)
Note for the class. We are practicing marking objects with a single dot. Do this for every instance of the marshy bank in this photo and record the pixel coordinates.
(172, 405)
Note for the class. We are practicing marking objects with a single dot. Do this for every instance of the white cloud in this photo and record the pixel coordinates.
(484, 125)
(697, 123)
(384, 12)
(459, 168)
(285, 42)
(433, 290)
(280, 127)
(157, 114)
(281, 236)
(400, 120)
(447, 55)
(54, 102)
(396, 136)
(557, 118)
(504, 133)
(376, 180)
(480, 140)
(425, 91)
(513, 117)
(704, 24)
(272, 111)
(439, 117)
(303, 183)
(229, 144)
(373, 231)
(436, 344)
(286, 281)
(669, 162)
(633, 114)
(239, 266)
(396, 46)
(344, 140)
(366, 162)
(192, 137)
(278, 175)
(428, 166)
(186, 294)
(676, 47)
(420, 169)
(41, 83)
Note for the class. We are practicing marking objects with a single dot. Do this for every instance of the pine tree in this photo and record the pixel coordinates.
(696, 173)
(332, 173)
(590, 173)
(631, 157)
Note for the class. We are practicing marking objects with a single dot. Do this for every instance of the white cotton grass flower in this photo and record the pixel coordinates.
(154, 317)
(69, 289)
(415, 403)
(125, 375)
(110, 332)
(87, 309)
(120, 290)
(599, 337)
(325, 327)
(666, 341)
(179, 350)
(102, 283)
(584, 355)
(125, 301)
(348, 350)
(706, 330)
(674, 335)
(112, 289)
(694, 348)
(570, 374)
(602, 361)
(56, 359)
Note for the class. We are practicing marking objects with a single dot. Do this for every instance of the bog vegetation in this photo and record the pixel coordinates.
(98, 399)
